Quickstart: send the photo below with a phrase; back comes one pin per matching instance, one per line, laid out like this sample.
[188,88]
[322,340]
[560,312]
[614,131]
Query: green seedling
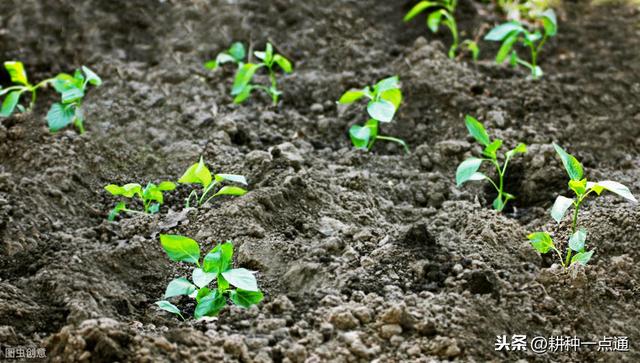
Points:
[384,100]
[212,187]
[72,90]
[468,169]
[441,12]
[215,266]
[513,32]
[581,187]
[151,197]
[21,85]
[242,86]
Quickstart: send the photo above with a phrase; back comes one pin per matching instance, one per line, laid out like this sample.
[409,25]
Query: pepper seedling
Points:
[384,100]
[242,86]
[72,90]
[513,32]
[441,12]
[215,266]
[468,169]
[198,173]
[151,197]
[581,187]
[21,85]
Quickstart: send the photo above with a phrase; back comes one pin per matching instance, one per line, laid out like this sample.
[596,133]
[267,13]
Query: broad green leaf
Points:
[231,178]
[541,241]
[154,208]
[197,173]
[116,210]
[393,95]
[613,187]
[201,278]
[571,164]
[520,149]
[577,240]
[387,84]
[360,136]
[17,72]
[91,76]
[223,285]
[283,63]
[491,149]
[467,169]
[210,305]
[381,110]
[560,207]
[179,286]
[351,96]
[582,258]
[578,186]
[72,95]
[130,189]
[268,53]
[433,20]
[219,259]
[245,298]
[237,51]
[241,278]
[230,190]
[477,130]
[59,117]
[498,204]
[500,32]
[114,189]
[477,176]
[549,22]
[63,82]
[474,49]
[531,38]
[203,292]
[167,306]
[243,94]
[151,192]
[166,186]
[180,248]
[9,103]
[243,77]
[505,48]
[418,8]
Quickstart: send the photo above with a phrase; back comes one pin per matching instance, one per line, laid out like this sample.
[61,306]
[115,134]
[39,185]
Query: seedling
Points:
[441,12]
[215,266]
[151,197]
[468,169]
[21,85]
[384,99]
[513,32]
[582,188]
[242,85]
[198,173]
[72,90]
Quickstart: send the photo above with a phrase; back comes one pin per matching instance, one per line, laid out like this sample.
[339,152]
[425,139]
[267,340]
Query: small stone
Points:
[389,330]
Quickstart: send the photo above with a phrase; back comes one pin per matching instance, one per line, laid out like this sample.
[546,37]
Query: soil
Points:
[362,256]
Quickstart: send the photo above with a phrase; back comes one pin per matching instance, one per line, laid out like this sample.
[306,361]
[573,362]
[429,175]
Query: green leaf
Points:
[180,248]
[9,103]
[91,76]
[433,20]
[197,173]
[59,117]
[577,240]
[381,110]
[467,170]
[418,8]
[243,77]
[283,63]
[219,259]
[201,278]
[491,149]
[116,210]
[243,95]
[17,72]
[498,204]
[241,278]
[203,292]
[500,32]
[179,286]
[167,306]
[473,48]
[351,96]
[549,22]
[151,192]
[63,82]
[541,241]
[230,190]
[393,95]
[613,187]
[387,84]
[245,298]
[560,207]
[477,130]
[231,178]
[360,136]
[237,51]
[571,164]
[72,95]
[520,149]
[578,186]
[166,186]
[223,285]
[582,257]
[210,305]
[127,190]
[505,48]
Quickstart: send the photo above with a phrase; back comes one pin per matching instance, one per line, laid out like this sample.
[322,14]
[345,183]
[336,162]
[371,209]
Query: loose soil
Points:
[362,256]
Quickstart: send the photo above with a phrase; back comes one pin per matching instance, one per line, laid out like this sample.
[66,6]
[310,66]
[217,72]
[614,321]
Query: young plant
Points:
[21,85]
[242,85]
[441,12]
[468,169]
[198,173]
[513,32]
[581,187]
[215,266]
[72,90]
[384,99]
[151,197]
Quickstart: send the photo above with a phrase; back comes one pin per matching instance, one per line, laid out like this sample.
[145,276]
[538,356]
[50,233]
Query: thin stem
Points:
[574,225]
[274,89]
[560,256]
[9,89]
[394,139]
[205,192]
[193,193]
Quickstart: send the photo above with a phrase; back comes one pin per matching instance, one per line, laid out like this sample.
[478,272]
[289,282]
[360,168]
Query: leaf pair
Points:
[543,243]
[216,265]
[18,76]
[236,54]
[151,193]
[72,91]
[198,173]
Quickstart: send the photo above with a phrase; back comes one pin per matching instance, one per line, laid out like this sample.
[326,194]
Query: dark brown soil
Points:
[362,256]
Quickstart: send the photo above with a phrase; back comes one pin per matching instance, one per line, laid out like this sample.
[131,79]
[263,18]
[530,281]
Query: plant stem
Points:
[393,139]
[574,225]
[274,89]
